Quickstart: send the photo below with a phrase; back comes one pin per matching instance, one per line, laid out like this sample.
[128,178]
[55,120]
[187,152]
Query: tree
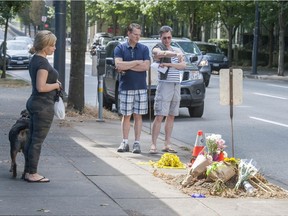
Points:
[269,17]
[7,10]
[78,48]
[25,18]
[37,10]
[283,9]
[232,14]
[196,14]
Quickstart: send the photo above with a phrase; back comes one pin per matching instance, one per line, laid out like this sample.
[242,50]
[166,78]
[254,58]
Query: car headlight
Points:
[195,75]
[203,62]
[225,59]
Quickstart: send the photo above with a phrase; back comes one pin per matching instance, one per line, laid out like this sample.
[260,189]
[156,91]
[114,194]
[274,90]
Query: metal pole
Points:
[255,40]
[100,99]
[231,105]
[60,32]
[149,100]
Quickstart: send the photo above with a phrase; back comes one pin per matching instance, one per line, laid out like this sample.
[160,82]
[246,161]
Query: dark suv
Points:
[216,57]
[192,84]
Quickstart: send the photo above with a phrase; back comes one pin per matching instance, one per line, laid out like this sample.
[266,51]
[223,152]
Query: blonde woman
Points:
[40,105]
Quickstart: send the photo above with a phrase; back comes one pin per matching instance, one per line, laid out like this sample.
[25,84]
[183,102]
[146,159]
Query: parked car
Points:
[18,55]
[99,44]
[192,84]
[216,57]
[191,49]
[28,40]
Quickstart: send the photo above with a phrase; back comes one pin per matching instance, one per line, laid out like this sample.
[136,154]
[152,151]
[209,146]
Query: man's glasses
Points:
[137,35]
[165,38]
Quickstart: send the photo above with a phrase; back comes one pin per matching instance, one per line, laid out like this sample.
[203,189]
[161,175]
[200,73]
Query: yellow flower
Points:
[232,160]
[169,160]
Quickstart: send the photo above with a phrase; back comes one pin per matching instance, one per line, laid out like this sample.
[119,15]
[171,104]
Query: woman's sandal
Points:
[169,150]
[153,150]
[41,180]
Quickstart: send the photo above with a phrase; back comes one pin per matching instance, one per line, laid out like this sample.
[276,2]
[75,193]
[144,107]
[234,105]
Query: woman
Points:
[40,105]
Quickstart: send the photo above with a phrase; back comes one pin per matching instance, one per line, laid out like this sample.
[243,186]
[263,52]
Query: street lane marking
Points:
[272,96]
[280,86]
[268,121]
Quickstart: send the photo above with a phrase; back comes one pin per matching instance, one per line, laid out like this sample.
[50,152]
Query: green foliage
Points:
[24,15]
[9,9]
[37,10]
[222,43]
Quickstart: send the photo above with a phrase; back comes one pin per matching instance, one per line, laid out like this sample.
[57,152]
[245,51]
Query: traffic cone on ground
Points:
[198,146]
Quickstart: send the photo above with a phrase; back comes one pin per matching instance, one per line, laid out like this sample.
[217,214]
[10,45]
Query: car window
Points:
[110,49]
[104,40]
[16,46]
[187,46]
[209,48]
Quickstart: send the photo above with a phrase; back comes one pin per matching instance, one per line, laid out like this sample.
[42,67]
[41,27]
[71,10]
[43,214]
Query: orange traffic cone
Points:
[198,146]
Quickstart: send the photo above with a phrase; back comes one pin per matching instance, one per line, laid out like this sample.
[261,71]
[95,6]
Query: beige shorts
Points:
[167,99]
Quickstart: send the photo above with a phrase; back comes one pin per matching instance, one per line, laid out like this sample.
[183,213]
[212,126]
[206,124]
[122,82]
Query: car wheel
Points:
[107,104]
[117,104]
[196,112]
[206,78]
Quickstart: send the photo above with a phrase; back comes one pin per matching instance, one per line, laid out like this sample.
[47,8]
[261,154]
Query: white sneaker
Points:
[124,147]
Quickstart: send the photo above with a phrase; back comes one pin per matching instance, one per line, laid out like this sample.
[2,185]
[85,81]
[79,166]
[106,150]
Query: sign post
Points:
[231,91]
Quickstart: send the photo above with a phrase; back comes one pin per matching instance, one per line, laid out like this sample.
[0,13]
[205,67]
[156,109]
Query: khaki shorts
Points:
[167,99]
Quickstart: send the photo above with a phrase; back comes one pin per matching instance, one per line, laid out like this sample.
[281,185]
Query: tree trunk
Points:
[191,23]
[271,49]
[230,36]
[78,48]
[3,75]
[281,41]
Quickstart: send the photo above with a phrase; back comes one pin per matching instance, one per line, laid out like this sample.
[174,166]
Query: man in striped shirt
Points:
[167,98]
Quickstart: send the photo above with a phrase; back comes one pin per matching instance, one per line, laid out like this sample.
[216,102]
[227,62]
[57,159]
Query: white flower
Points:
[214,143]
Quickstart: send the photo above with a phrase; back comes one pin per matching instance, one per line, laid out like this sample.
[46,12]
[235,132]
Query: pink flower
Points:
[221,144]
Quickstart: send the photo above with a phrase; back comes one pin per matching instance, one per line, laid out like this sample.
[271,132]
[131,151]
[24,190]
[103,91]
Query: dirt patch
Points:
[218,189]
[13,83]
[88,113]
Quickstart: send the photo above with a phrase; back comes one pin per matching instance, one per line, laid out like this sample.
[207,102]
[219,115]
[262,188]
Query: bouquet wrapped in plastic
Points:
[221,171]
[198,167]
[246,169]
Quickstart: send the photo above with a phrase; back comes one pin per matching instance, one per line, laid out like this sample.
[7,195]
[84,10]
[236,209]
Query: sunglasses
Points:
[165,38]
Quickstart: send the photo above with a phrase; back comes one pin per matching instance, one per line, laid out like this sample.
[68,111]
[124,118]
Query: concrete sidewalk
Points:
[88,176]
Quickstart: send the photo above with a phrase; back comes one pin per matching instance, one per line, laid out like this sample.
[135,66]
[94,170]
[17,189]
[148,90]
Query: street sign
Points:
[235,93]
[44,19]
[231,91]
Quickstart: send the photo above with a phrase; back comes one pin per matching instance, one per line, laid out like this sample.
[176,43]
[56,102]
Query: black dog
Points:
[18,137]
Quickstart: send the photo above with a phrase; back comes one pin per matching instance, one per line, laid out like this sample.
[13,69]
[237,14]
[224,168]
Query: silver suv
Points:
[192,84]
[192,50]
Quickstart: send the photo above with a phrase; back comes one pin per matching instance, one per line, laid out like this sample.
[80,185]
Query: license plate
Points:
[20,62]
[216,65]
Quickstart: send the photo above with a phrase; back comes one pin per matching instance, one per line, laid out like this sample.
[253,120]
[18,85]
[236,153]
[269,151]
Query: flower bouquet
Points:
[221,171]
[215,145]
[169,160]
[198,167]
[245,171]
